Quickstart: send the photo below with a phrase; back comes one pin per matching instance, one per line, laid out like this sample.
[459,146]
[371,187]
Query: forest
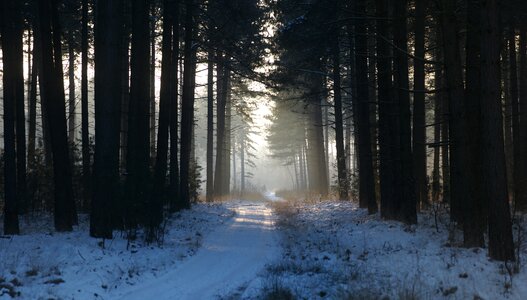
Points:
[319,139]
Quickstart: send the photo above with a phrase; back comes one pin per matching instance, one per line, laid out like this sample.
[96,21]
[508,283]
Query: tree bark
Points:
[85,131]
[363,131]
[515,114]
[138,150]
[473,215]
[342,173]
[107,117]
[156,207]
[387,124]
[55,114]
[187,107]
[210,126]
[456,110]
[419,129]
[501,246]
[406,210]
[173,127]
[13,86]
[71,96]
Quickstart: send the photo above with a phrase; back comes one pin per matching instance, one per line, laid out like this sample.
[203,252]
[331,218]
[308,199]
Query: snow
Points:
[249,249]
[335,250]
[229,258]
[35,263]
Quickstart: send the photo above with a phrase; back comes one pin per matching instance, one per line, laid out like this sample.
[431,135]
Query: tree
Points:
[55,114]
[494,182]
[158,195]
[137,180]
[419,129]
[406,210]
[366,179]
[85,135]
[174,162]
[13,84]
[187,106]
[107,117]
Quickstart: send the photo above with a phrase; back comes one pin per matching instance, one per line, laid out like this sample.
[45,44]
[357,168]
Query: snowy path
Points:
[230,257]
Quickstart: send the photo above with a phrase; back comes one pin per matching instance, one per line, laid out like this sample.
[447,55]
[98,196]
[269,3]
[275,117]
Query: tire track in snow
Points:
[230,257]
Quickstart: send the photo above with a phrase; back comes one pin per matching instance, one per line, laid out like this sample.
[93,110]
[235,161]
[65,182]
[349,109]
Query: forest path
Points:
[229,257]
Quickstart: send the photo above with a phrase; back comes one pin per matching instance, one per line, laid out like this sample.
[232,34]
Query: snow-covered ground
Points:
[333,250]
[43,264]
[245,250]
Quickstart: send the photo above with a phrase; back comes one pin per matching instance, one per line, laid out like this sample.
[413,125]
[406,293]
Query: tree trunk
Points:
[187,107]
[156,207]
[85,131]
[419,129]
[515,114]
[501,246]
[387,126]
[13,86]
[174,162]
[342,173]
[316,159]
[55,115]
[473,215]
[438,120]
[32,107]
[363,133]
[521,196]
[71,96]
[138,159]
[220,126]
[406,211]
[226,175]
[20,131]
[152,73]
[456,110]
[210,126]
[107,117]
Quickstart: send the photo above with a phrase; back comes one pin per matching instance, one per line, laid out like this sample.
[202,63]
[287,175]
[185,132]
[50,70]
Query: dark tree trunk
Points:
[174,162]
[521,196]
[125,83]
[210,127]
[342,173]
[471,205]
[108,32]
[153,19]
[316,159]
[242,162]
[501,246]
[438,119]
[160,171]
[220,126]
[226,175]
[407,205]
[20,131]
[515,114]
[387,125]
[13,86]
[85,131]
[363,132]
[32,107]
[187,107]
[456,110]
[55,114]
[419,129]
[138,159]
[71,96]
